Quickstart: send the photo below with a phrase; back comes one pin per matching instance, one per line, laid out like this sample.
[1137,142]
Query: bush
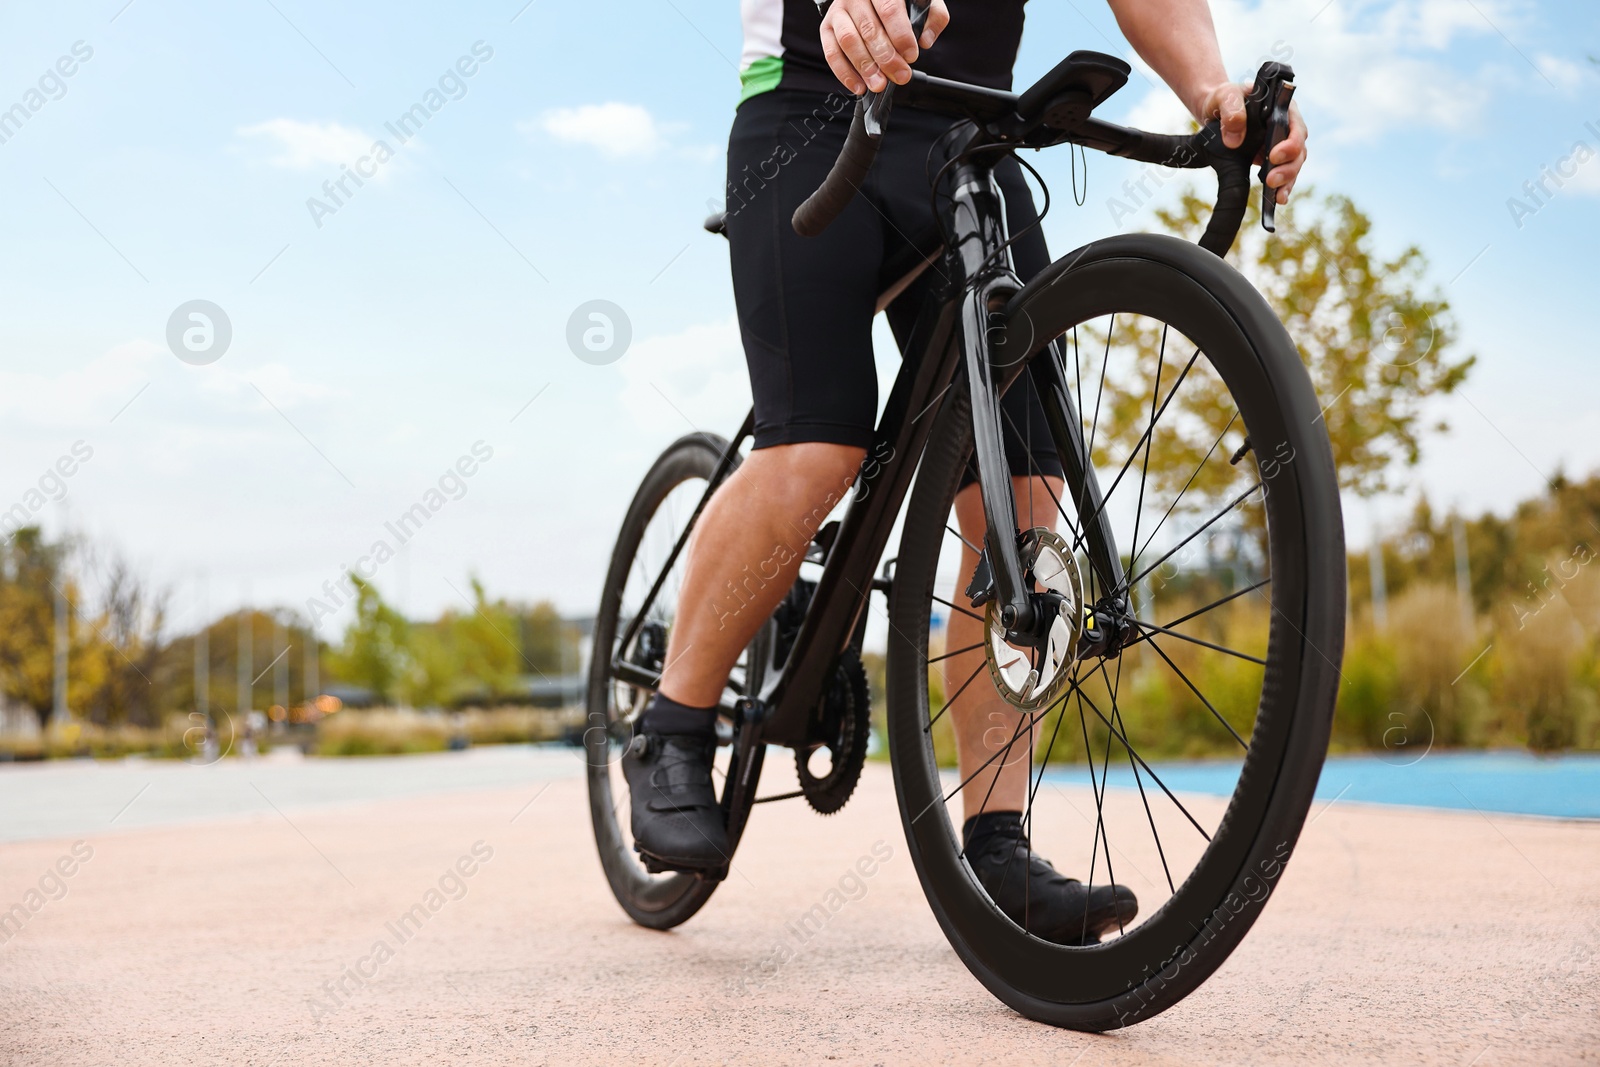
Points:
[382,732]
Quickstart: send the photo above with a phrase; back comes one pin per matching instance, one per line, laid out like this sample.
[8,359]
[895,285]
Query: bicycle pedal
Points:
[658,866]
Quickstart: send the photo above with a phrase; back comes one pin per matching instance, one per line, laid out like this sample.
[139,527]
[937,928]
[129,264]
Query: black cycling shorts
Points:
[806,303]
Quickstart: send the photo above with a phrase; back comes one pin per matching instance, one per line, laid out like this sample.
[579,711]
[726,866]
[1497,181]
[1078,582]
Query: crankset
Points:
[843,725]
[846,727]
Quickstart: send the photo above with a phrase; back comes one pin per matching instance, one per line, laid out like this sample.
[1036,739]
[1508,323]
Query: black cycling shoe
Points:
[1037,897]
[677,822]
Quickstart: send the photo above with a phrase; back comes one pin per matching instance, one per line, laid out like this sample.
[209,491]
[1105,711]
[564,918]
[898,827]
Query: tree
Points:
[27,621]
[175,672]
[549,644]
[32,575]
[1375,344]
[464,657]
[123,646]
[376,649]
[486,643]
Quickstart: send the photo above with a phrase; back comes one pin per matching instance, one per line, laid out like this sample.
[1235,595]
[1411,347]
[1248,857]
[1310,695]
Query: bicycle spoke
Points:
[1138,551]
[958,607]
[1105,364]
[957,652]
[1149,440]
[1138,781]
[1154,777]
[963,783]
[996,779]
[1139,444]
[1099,813]
[976,550]
[1179,671]
[1205,526]
[952,700]
[1116,715]
[1197,641]
[1038,779]
[1218,603]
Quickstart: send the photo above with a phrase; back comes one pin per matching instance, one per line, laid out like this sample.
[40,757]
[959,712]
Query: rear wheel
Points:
[661,510]
[1232,588]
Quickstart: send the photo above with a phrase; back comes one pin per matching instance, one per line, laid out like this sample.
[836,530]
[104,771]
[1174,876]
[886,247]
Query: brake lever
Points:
[875,115]
[1276,82]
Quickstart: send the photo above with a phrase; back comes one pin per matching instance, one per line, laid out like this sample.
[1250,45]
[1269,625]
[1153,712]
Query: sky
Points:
[404,339]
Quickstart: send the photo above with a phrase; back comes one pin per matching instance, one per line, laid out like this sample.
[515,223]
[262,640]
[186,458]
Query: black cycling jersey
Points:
[783,49]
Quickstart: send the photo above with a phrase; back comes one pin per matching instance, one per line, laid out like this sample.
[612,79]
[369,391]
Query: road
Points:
[243,926]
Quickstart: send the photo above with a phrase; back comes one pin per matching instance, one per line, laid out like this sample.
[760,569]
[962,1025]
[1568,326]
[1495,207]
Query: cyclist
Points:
[805,309]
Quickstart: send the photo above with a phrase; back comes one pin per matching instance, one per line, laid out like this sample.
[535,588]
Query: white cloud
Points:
[1364,67]
[691,379]
[1587,180]
[276,382]
[92,393]
[1563,73]
[311,145]
[616,129]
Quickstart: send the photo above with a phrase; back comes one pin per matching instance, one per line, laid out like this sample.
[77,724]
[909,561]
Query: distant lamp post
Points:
[202,655]
[1380,588]
[59,713]
[1463,570]
[242,662]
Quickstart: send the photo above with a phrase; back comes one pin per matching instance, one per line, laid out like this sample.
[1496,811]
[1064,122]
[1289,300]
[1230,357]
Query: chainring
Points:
[847,723]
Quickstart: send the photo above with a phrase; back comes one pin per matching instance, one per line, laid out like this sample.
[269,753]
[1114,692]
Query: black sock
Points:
[1008,823]
[666,716]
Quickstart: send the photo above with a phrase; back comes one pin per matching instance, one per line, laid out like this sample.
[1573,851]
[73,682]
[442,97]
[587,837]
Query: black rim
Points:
[665,504]
[1195,342]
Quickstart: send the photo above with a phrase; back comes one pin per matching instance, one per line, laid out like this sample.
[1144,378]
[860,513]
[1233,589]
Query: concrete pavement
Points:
[1396,936]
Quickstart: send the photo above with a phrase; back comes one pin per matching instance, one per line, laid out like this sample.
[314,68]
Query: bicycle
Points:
[1061,614]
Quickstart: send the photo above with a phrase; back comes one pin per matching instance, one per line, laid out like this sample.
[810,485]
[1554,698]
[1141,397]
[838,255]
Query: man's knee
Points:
[809,474]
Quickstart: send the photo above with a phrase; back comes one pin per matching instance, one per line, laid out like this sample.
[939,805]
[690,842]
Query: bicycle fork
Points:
[977,215]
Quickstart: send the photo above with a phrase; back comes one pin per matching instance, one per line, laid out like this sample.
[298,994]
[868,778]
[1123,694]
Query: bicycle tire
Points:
[1157,963]
[659,902]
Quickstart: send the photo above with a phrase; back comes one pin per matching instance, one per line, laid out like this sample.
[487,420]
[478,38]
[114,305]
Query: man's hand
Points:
[1226,102]
[866,41]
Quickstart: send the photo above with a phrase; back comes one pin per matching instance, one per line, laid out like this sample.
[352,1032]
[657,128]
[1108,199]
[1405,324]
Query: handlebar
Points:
[1267,124]
[860,150]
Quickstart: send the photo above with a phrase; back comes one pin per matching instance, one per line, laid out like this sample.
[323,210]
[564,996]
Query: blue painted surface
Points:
[1566,786]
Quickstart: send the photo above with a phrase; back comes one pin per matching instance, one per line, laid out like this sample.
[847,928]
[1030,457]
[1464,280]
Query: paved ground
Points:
[1396,936]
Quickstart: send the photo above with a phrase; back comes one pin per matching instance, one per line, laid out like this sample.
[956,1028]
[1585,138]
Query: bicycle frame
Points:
[951,336]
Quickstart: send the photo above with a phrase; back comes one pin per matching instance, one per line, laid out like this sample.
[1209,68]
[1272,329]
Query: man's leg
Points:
[983,722]
[994,837]
[742,558]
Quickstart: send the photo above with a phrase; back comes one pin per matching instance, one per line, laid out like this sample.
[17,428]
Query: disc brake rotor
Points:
[1028,677]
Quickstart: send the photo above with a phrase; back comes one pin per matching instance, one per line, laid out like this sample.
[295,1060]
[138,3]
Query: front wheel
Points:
[1216,552]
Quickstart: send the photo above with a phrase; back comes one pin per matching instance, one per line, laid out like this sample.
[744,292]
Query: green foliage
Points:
[464,656]
[269,634]
[111,648]
[28,584]
[1375,342]
[1524,559]
[376,650]
[549,645]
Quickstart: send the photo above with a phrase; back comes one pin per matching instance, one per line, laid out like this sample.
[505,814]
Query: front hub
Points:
[1031,669]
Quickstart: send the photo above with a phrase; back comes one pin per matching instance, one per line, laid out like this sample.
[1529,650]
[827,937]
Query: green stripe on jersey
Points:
[760,76]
